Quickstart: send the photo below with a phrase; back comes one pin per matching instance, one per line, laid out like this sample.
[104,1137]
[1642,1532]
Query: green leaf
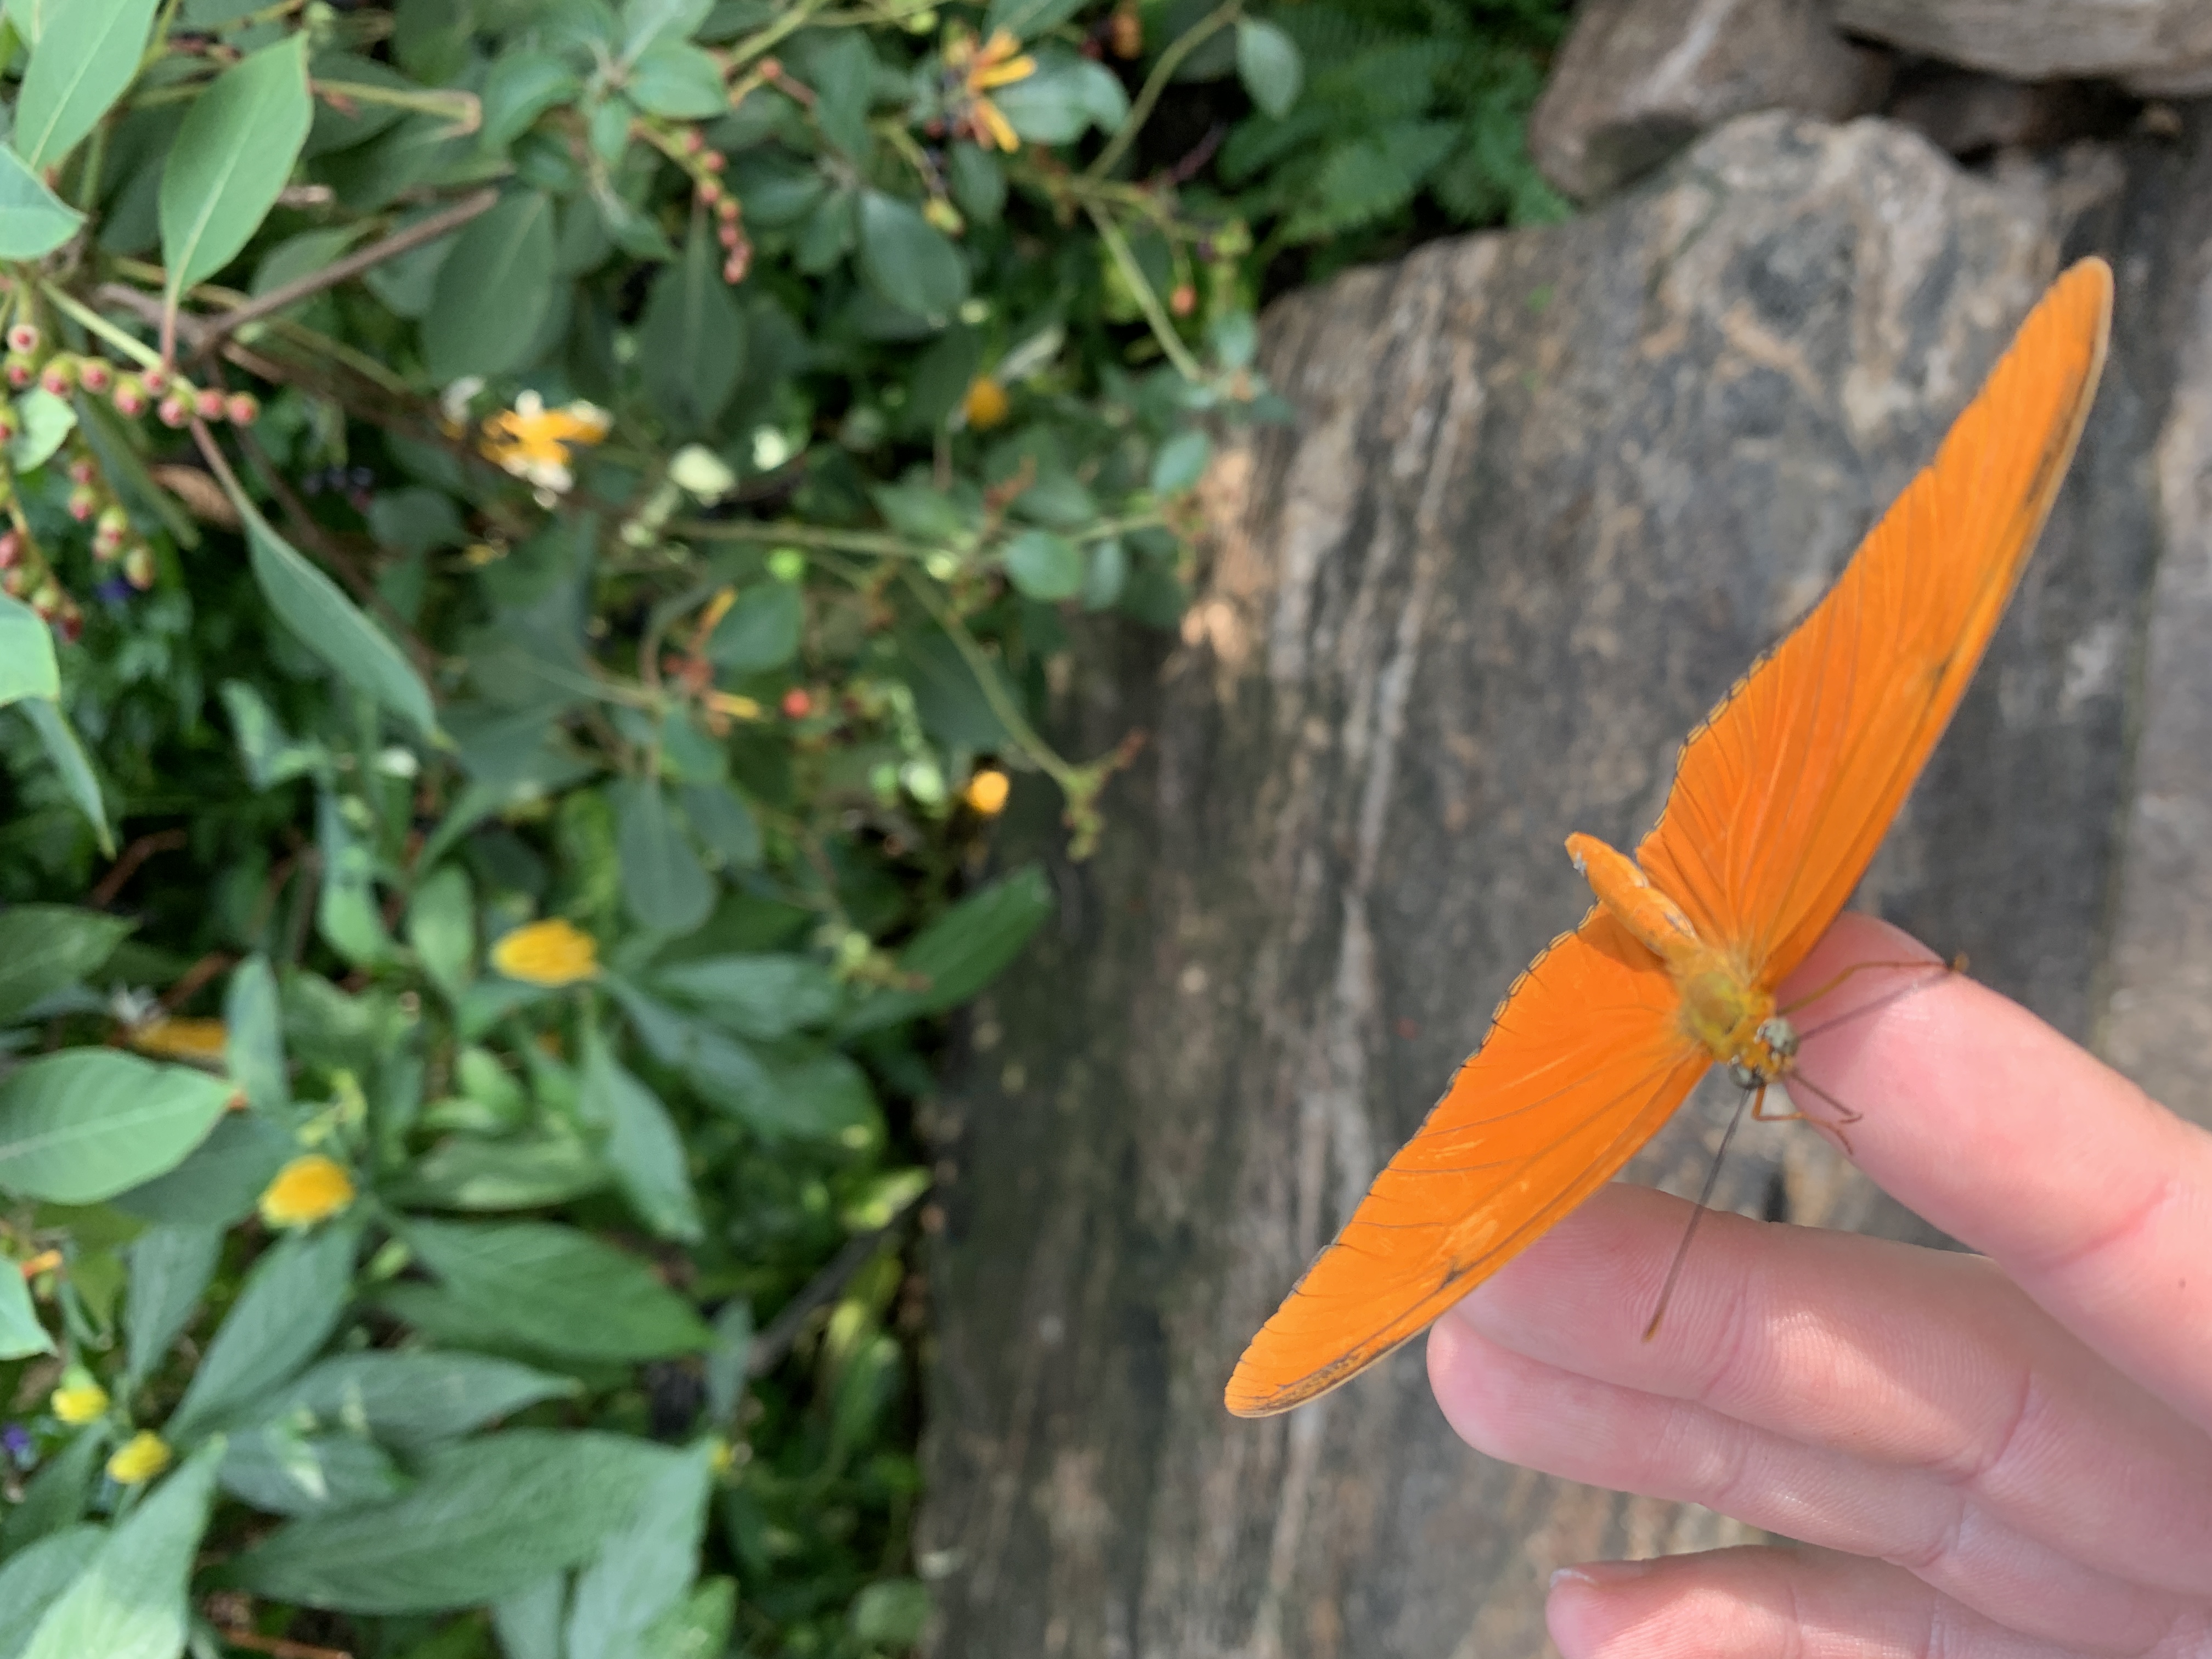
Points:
[34,221]
[130,1602]
[644,1148]
[277,1468]
[891,1613]
[492,291]
[646,22]
[28,668]
[524,1172]
[528,1621]
[842,70]
[170,1268]
[33,1578]
[87,54]
[521,87]
[347,912]
[69,759]
[762,629]
[1066,96]
[412,1400]
[231,159]
[483,1520]
[253,1039]
[663,884]
[643,1568]
[47,420]
[45,948]
[727,1361]
[697,1628]
[691,338]
[22,1334]
[1268,64]
[54,1497]
[82,1126]
[441,927]
[270,755]
[1045,566]
[963,951]
[219,1183]
[289,1306]
[1180,463]
[678,82]
[557,1289]
[760,996]
[1026,19]
[329,624]
[907,260]
[721,819]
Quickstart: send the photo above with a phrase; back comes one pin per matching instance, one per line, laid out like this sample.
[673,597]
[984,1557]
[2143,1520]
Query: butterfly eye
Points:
[1779,1036]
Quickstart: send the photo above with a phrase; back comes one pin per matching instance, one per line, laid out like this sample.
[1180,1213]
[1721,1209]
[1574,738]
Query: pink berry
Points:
[210,405]
[129,396]
[176,410]
[23,337]
[241,408]
[84,502]
[95,376]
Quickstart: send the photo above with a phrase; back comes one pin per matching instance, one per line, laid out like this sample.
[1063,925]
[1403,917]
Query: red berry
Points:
[59,374]
[11,551]
[176,410]
[20,373]
[129,396]
[210,405]
[23,337]
[82,470]
[84,502]
[797,704]
[96,374]
[71,624]
[713,161]
[709,190]
[242,408]
[156,379]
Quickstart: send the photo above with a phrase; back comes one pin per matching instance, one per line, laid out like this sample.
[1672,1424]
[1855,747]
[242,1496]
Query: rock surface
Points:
[2154,47]
[1546,494]
[1638,80]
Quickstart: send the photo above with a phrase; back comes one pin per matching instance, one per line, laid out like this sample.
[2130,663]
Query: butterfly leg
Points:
[1843,1114]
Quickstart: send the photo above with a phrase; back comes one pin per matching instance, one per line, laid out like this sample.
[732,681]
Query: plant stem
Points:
[1147,302]
[794,18]
[93,323]
[1156,83]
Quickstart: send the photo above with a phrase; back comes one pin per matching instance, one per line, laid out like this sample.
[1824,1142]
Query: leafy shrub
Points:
[536,533]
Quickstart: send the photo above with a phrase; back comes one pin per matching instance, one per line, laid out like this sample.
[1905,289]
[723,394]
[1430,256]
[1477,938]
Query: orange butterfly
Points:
[1779,800]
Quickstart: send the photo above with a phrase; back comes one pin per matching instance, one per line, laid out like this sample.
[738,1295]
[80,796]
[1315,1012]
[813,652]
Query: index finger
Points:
[2095,1200]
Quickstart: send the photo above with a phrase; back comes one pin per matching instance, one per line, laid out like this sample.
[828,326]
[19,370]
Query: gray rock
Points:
[2160,48]
[1638,80]
[1546,494]
[1970,113]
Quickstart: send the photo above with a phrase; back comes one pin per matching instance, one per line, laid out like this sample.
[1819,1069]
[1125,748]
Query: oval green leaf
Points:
[80,1127]
[231,158]
[1045,566]
[87,54]
[492,290]
[28,668]
[907,260]
[34,221]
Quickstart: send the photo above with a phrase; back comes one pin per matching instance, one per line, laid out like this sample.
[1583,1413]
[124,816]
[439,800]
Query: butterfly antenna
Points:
[1705,1198]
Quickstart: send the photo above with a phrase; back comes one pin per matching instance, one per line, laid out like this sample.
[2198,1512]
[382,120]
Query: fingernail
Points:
[1598,1574]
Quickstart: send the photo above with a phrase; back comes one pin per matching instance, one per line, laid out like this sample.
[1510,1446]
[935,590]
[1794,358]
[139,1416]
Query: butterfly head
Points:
[1771,1053]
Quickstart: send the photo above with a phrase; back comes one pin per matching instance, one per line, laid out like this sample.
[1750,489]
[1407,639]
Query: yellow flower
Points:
[998,61]
[533,441]
[986,403]
[79,1401]
[310,1189]
[554,952]
[138,1459]
[200,1040]
[987,792]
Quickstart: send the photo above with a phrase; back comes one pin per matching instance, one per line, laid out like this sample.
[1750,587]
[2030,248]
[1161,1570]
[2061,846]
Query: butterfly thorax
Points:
[1723,1009]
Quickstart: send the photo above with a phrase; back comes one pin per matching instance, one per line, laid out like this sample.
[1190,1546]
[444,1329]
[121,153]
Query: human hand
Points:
[1997,1456]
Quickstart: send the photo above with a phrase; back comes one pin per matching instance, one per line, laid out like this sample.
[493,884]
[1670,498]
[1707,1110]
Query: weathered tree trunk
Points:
[1545,496]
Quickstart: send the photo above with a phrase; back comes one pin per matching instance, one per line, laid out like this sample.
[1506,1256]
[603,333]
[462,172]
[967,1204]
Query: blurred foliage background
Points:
[537,535]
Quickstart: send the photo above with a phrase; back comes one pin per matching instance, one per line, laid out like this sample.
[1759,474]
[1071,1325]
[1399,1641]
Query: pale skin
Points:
[2006,1455]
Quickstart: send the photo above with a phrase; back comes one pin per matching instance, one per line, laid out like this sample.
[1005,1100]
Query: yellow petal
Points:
[994,129]
[181,1039]
[310,1189]
[79,1403]
[138,1459]
[551,953]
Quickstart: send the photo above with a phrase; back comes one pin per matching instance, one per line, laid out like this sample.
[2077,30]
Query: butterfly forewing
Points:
[1584,1062]
[1782,796]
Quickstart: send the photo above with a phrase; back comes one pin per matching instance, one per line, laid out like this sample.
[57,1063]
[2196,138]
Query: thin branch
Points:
[345,270]
[162,840]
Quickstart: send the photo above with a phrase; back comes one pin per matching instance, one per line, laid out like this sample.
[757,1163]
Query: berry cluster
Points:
[687,148]
[174,401]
